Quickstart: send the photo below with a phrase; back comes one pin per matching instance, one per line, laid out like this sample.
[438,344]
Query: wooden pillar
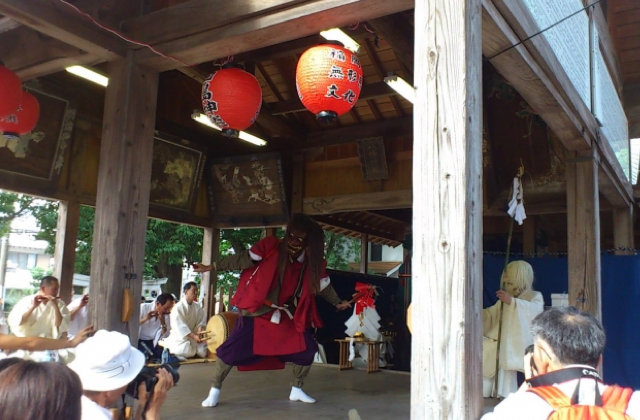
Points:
[209,282]
[297,190]
[623,230]
[364,253]
[446,355]
[65,251]
[583,242]
[269,232]
[122,202]
[529,236]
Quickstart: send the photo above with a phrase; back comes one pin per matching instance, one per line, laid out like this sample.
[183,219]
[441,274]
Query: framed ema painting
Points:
[247,190]
[40,154]
[176,172]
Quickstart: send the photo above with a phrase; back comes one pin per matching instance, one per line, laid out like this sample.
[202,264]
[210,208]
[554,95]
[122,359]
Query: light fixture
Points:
[402,87]
[89,75]
[243,135]
[336,34]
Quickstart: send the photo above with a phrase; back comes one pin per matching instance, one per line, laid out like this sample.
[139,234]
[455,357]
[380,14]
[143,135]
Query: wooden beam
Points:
[122,203]
[583,226]
[65,250]
[623,236]
[396,235]
[195,16]
[300,20]
[209,283]
[371,91]
[518,16]
[395,29]
[358,202]
[632,108]
[519,68]
[61,22]
[608,47]
[446,345]
[391,128]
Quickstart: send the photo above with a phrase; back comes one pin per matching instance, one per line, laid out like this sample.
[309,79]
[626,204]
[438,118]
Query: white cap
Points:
[107,361]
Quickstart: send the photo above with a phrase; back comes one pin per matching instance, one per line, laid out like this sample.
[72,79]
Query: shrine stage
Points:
[265,395]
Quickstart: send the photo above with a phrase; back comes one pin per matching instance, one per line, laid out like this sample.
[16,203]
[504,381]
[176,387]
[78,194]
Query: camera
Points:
[148,376]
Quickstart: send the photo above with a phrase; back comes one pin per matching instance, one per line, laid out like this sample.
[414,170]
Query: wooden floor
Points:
[265,395]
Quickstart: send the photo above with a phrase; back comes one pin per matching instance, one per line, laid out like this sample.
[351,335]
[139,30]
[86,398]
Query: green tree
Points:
[234,241]
[340,250]
[47,217]
[11,206]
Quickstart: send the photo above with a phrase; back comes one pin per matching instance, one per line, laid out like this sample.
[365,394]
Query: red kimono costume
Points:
[256,335]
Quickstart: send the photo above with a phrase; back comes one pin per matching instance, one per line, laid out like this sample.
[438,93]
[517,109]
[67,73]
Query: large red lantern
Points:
[329,80]
[10,91]
[231,98]
[23,120]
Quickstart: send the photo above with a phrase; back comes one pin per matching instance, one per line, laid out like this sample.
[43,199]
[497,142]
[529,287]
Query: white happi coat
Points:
[516,336]
[81,320]
[42,322]
[185,319]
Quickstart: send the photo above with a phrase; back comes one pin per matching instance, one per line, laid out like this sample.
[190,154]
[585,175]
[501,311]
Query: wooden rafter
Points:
[259,31]
[395,29]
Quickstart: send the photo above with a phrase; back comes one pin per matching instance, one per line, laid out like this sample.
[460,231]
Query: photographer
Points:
[107,364]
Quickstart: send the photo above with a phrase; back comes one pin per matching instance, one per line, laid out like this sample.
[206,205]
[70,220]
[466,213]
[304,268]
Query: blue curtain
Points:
[620,305]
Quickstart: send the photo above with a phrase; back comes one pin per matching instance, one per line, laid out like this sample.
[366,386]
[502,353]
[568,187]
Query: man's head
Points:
[190,290]
[304,234]
[49,286]
[296,234]
[518,278]
[106,363]
[566,336]
[164,303]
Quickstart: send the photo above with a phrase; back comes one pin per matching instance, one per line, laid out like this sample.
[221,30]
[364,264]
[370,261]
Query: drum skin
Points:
[219,327]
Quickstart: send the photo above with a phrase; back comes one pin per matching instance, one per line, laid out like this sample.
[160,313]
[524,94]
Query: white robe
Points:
[516,336]
[92,411]
[4,325]
[81,320]
[185,319]
[42,322]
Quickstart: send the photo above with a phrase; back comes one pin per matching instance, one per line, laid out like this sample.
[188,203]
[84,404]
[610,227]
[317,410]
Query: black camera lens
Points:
[148,376]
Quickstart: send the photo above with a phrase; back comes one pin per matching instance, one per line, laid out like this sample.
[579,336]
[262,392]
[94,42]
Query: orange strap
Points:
[552,395]
[616,397]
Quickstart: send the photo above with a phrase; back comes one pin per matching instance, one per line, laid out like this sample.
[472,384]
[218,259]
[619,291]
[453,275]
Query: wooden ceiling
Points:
[624,21]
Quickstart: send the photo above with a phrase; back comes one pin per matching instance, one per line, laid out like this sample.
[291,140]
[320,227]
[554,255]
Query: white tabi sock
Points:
[212,399]
[297,394]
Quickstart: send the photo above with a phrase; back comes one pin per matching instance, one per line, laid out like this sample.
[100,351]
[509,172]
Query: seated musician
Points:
[154,324]
[188,321]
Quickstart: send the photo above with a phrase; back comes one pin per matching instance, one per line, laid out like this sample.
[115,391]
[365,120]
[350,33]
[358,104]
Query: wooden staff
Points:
[506,263]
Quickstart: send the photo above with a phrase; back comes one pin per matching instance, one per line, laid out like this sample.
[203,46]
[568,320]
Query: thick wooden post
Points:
[65,251]
[209,282]
[623,230]
[122,202]
[364,253]
[529,236]
[583,221]
[446,356]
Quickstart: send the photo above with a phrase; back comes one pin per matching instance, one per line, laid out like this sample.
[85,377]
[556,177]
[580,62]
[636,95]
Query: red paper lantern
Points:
[10,91]
[329,80]
[231,98]
[23,120]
